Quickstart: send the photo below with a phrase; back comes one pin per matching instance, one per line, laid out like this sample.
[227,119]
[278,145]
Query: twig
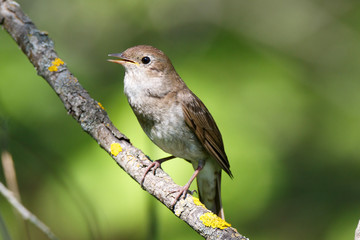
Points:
[10,174]
[26,214]
[39,49]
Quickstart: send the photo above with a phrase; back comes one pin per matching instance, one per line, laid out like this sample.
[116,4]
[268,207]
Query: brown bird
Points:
[175,119]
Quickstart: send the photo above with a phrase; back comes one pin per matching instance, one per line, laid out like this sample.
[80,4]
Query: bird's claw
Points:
[192,192]
[154,165]
[182,194]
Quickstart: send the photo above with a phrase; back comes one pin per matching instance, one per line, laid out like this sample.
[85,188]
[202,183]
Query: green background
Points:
[281,79]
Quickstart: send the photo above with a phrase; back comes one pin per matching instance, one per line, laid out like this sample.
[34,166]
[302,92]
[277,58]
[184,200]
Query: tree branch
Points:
[26,214]
[39,49]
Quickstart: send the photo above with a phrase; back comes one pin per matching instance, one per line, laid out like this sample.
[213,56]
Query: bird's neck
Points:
[140,87]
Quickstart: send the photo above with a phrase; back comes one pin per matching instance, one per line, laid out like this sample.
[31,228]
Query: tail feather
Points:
[209,188]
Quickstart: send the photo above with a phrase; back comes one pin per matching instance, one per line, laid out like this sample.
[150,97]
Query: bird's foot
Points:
[154,165]
[182,193]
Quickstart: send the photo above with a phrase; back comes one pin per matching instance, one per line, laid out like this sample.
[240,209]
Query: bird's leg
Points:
[154,165]
[185,188]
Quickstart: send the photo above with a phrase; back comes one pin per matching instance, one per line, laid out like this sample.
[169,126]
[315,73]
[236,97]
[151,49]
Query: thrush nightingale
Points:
[175,119]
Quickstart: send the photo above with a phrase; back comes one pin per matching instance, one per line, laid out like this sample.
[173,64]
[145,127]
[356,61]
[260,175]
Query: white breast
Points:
[163,123]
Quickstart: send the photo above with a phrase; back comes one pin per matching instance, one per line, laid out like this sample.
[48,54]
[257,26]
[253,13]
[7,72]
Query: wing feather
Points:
[199,119]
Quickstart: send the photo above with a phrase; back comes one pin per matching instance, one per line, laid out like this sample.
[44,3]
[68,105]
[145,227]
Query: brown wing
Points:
[199,119]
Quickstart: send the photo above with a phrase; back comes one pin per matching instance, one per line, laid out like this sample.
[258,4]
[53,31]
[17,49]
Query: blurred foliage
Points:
[281,78]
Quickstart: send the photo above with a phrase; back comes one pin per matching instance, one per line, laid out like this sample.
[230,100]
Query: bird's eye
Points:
[145,60]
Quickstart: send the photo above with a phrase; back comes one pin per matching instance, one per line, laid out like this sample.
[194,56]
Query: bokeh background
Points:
[280,77]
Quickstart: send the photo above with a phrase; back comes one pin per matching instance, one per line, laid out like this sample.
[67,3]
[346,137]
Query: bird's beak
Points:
[121,59]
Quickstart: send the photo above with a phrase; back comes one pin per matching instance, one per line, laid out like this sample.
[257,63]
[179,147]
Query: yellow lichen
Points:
[101,106]
[53,68]
[115,149]
[55,64]
[197,202]
[212,220]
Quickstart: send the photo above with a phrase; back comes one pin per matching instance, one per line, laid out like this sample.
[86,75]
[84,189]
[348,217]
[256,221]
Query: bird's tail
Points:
[209,188]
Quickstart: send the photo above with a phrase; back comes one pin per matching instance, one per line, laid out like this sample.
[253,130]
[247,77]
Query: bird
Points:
[176,120]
